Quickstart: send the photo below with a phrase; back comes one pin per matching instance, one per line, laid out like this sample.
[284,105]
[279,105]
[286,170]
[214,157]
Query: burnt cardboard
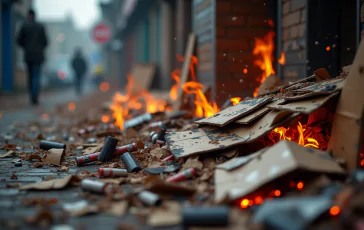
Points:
[321,88]
[322,74]
[307,79]
[347,128]
[207,139]
[185,71]
[238,161]
[306,106]
[143,75]
[280,159]
[270,84]
[232,113]
[253,116]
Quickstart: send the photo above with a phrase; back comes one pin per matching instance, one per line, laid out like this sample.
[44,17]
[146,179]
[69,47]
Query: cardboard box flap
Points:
[253,116]
[278,160]
[232,113]
[310,78]
[238,161]
[143,75]
[347,128]
[325,87]
[269,85]
[207,139]
[306,106]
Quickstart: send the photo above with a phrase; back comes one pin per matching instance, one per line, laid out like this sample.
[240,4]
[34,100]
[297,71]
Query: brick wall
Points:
[203,27]
[238,23]
[293,39]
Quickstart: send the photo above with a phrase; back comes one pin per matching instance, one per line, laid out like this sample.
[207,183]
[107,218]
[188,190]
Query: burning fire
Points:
[123,104]
[303,138]
[264,48]
[175,75]
[203,106]
[235,100]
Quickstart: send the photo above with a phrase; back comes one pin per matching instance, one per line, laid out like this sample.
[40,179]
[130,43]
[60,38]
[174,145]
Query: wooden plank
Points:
[185,70]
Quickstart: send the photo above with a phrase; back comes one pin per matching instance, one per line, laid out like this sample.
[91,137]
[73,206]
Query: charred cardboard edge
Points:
[280,159]
[306,106]
[253,116]
[347,129]
[232,113]
[195,135]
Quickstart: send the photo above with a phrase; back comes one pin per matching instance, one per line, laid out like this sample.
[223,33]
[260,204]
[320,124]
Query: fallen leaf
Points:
[202,187]
[192,162]
[154,163]
[40,136]
[9,147]
[13,176]
[38,164]
[51,184]
[63,169]
[166,215]
[44,218]
[130,133]
[160,153]
[231,153]
[34,156]
[39,201]
[12,185]
[7,154]
[118,208]
[209,162]
[91,150]
[54,157]
[156,185]
[15,160]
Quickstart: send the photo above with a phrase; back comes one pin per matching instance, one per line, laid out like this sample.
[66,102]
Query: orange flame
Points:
[282,60]
[173,93]
[235,100]
[303,139]
[71,106]
[264,48]
[203,106]
[122,104]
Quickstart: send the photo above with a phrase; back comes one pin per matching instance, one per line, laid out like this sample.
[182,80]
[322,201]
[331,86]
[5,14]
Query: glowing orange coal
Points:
[303,138]
[264,48]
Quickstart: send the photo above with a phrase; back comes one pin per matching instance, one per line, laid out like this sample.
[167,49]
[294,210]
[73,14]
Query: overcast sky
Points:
[84,12]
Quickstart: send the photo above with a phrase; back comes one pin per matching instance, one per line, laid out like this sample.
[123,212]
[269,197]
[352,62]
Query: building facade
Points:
[312,34]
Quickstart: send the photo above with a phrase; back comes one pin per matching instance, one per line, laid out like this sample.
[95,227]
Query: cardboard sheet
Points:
[307,79]
[143,75]
[270,84]
[321,88]
[185,71]
[54,157]
[232,113]
[51,184]
[306,106]
[253,116]
[322,74]
[347,129]
[207,139]
[280,159]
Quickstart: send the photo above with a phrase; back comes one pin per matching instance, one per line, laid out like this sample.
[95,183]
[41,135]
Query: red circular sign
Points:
[101,33]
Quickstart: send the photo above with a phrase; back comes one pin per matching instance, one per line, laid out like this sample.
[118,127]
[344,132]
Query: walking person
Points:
[79,66]
[32,38]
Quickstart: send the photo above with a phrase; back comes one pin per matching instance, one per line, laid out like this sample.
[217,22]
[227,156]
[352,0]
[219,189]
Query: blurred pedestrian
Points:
[79,66]
[33,39]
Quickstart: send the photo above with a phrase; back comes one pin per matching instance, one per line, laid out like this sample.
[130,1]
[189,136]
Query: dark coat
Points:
[79,65]
[33,39]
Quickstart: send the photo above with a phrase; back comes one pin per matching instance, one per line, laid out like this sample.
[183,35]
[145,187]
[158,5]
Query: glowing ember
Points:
[245,70]
[303,139]
[282,60]
[105,119]
[104,86]
[71,107]
[264,48]
[44,116]
[203,106]
[335,210]
[235,100]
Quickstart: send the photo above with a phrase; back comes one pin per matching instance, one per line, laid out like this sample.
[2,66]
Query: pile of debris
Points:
[235,169]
